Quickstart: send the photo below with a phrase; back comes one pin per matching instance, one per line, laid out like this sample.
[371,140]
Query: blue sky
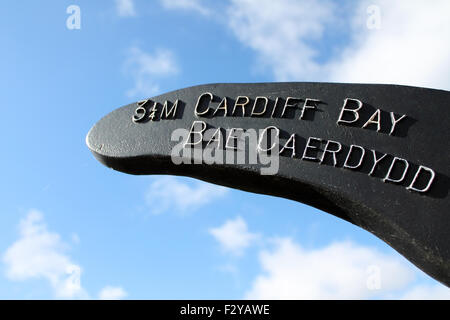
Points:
[72,228]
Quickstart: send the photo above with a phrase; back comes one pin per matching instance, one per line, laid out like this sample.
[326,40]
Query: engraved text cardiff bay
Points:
[319,149]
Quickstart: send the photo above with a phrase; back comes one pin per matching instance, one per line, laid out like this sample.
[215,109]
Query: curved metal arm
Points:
[374,155]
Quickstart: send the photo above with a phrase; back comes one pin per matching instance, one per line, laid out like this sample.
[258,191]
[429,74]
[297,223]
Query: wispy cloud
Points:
[39,253]
[146,68]
[170,193]
[407,49]
[193,5]
[112,293]
[234,236]
[125,8]
[341,270]
[281,33]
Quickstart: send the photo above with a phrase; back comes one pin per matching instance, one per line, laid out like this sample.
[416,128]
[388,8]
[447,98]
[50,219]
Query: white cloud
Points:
[170,193]
[112,293]
[195,5]
[234,236]
[279,32]
[125,8]
[146,68]
[341,270]
[39,253]
[410,48]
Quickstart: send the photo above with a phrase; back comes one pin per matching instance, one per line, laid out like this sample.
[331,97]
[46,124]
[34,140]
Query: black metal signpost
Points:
[374,155]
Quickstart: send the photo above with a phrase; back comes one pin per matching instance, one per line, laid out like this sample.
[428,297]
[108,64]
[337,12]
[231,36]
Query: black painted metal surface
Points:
[331,165]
